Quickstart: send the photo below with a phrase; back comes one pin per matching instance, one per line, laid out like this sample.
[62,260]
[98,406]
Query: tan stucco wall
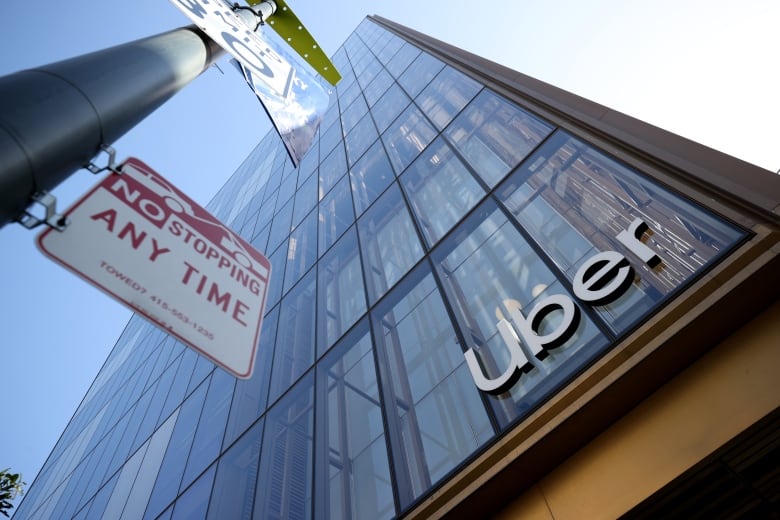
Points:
[726,391]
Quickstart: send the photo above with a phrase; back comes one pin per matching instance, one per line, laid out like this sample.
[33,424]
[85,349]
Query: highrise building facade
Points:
[488,297]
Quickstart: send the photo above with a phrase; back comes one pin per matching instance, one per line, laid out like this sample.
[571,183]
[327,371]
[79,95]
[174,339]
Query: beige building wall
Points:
[729,389]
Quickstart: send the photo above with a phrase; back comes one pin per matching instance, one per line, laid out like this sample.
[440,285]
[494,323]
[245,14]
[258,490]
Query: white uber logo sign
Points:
[602,279]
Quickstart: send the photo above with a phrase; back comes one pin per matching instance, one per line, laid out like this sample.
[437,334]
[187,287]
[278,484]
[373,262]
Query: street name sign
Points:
[148,245]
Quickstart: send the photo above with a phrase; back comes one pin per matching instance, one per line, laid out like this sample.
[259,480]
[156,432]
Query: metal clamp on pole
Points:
[94,168]
[51,219]
[262,11]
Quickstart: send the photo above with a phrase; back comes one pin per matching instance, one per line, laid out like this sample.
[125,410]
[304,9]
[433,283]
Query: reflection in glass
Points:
[574,200]
[234,485]
[301,250]
[336,214]
[494,135]
[407,137]
[194,501]
[440,189]
[352,463]
[284,488]
[249,396]
[370,176]
[446,95]
[489,271]
[436,409]
[389,242]
[419,73]
[295,336]
[360,138]
[389,106]
[341,296]
[333,167]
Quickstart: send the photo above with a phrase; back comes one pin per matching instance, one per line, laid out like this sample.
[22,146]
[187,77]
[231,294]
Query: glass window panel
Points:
[301,250]
[494,135]
[370,176]
[234,485]
[369,73]
[402,59]
[330,138]
[389,242]
[574,200]
[438,418]
[407,137]
[99,503]
[305,199]
[180,381]
[390,49]
[420,73]
[330,117]
[353,114]
[295,336]
[341,295]
[169,477]
[287,189]
[446,95]
[250,395]
[211,427]
[310,160]
[284,489]
[348,95]
[332,169]
[260,240]
[490,272]
[278,261]
[280,228]
[360,138]
[378,87]
[336,214]
[193,503]
[352,464]
[389,106]
[440,189]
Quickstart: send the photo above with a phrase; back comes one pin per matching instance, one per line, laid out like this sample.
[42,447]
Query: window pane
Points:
[193,503]
[336,214]
[407,137]
[378,87]
[330,137]
[420,73]
[305,199]
[437,415]
[490,273]
[447,94]
[211,427]
[360,138]
[387,109]
[352,465]
[278,261]
[341,295]
[167,486]
[284,482]
[280,228]
[574,200]
[402,59]
[494,135]
[301,250]
[250,395]
[333,167]
[440,189]
[234,486]
[389,242]
[295,336]
[370,176]
[353,113]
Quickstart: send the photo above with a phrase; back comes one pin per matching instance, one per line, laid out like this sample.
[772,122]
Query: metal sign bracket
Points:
[111,166]
[52,218]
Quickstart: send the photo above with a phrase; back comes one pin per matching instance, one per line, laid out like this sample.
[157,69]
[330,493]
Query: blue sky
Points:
[705,69]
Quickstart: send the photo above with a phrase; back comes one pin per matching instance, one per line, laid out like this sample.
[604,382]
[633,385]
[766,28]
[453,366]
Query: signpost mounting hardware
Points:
[52,218]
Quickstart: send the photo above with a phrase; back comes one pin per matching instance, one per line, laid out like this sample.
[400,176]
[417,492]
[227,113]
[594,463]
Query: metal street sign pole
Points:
[56,118]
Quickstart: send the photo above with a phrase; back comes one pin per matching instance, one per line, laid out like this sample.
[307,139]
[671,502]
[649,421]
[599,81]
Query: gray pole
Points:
[55,118]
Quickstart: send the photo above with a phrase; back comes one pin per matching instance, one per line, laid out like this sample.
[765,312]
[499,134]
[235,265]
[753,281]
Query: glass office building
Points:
[444,331]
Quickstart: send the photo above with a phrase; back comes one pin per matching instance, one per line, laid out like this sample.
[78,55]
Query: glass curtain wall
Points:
[429,212]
